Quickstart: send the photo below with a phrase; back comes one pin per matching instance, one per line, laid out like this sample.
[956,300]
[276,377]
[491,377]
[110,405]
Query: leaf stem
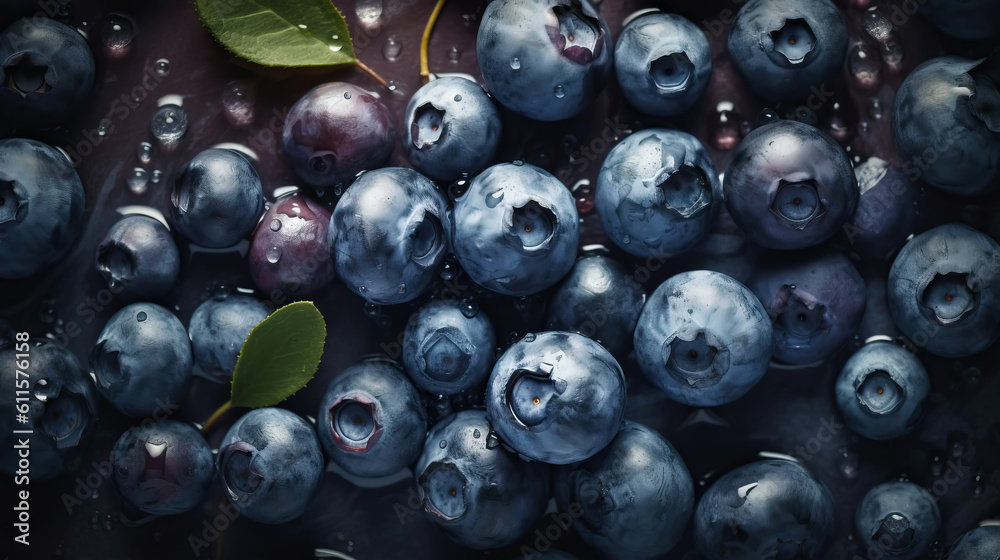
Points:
[425,72]
[215,416]
[378,78]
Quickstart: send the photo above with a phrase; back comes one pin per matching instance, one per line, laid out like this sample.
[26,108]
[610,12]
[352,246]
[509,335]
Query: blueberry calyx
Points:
[237,469]
[700,361]
[798,203]
[588,491]
[948,298]
[530,393]
[426,239]
[671,72]
[323,162]
[683,189]
[442,489]
[446,354]
[355,421]
[792,43]
[894,533]
[107,366]
[530,226]
[115,263]
[878,393]
[799,315]
[428,126]
[985,100]
[13,206]
[578,35]
[63,419]
[26,76]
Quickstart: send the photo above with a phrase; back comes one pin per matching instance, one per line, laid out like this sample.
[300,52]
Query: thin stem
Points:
[425,72]
[215,416]
[365,67]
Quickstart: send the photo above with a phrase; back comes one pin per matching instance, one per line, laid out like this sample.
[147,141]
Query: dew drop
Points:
[162,67]
[372,309]
[219,290]
[476,433]
[117,33]
[157,175]
[137,180]
[469,307]
[458,98]
[392,47]
[275,224]
[442,444]
[626,240]
[169,124]
[273,254]
[140,316]
[347,95]
[454,53]
[515,63]
[145,153]
[238,100]
[560,91]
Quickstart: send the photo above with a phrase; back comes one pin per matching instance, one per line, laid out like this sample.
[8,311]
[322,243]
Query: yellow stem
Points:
[425,71]
[378,78]
[215,416]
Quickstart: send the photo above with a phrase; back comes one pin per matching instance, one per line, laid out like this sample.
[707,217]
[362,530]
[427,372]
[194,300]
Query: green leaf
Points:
[289,33]
[280,356]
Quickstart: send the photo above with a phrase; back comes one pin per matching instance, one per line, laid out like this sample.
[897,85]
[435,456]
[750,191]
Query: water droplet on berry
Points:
[162,67]
[469,307]
[137,180]
[372,309]
[117,33]
[219,290]
[275,224]
[515,63]
[476,433]
[156,176]
[392,47]
[458,98]
[454,53]
[273,254]
[442,444]
[169,124]
[559,91]
[43,391]
[145,153]
[141,316]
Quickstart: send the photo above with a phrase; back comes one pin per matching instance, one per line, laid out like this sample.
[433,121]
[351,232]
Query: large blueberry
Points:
[815,304]
[452,129]
[657,193]
[768,509]
[599,299]
[516,229]
[886,213]
[897,520]
[703,338]
[981,543]
[445,351]
[544,59]
[218,329]
[782,48]
[61,408]
[663,63]
[41,207]
[480,494]
[882,390]
[271,464]
[218,198]
[389,235]
[946,123]
[789,185]
[46,72]
[964,19]
[138,258]
[556,397]
[162,468]
[636,496]
[142,360]
[371,422]
[944,290]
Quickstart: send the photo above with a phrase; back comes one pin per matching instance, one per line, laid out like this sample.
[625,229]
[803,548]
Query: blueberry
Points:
[897,520]
[882,390]
[790,186]
[766,509]
[162,468]
[964,19]
[782,48]
[335,131]
[814,302]
[389,235]
[886,213]
[516,229]
[663,64]
[138,258]
[636,495]
[289,254]
[946,124]
[480,494]
[218,198]
[142,360]
[600,300]
[444,351]
[556,397]
[218,329]
[46,72]
[657,193]
[371,420]
[703,338]
[944,290]
[41,207]
[61,407]
[452,129]
[271,465]
[544,59]
[981,543]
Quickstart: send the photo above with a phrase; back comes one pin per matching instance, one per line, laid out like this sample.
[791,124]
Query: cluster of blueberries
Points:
[553,398]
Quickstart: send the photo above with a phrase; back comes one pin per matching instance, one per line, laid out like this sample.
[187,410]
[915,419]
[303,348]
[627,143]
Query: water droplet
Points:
[117,33]
[275,224]
[157,175]
[169,124]
[392,47]
[530,337]
[449,269]
[372,309]
[864,67]
[626,240]
[137,180]
[273,254]
[457,189]
[238,100]
[559,91]
[102,130]
[347,95]
[458,98]
[476,433]
[454,53]
[492,440]
[442,444]
[515,63]
[469,307]
[145,153]
[494,198]
[219,290]
[336,47]
[140,316]
[518,162]
[368,11]
[338,190]
[392,85]
[162,67]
